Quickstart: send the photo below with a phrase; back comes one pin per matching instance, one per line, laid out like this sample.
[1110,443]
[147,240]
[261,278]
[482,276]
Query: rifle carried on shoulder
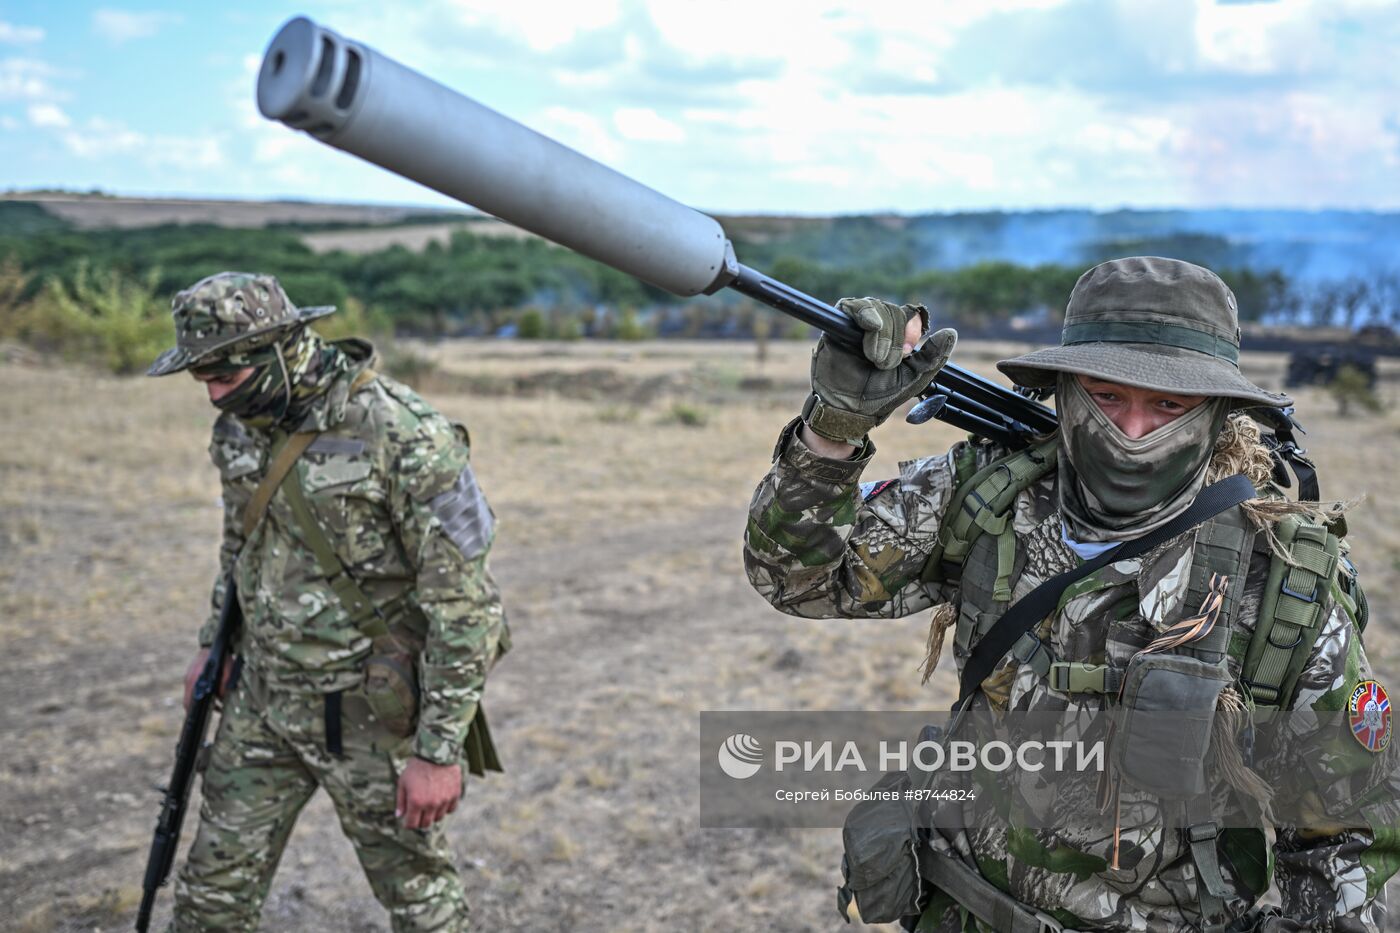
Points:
[176,793]
[353,98]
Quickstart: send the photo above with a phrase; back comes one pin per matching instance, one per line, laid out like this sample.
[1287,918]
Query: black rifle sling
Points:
[1041,601]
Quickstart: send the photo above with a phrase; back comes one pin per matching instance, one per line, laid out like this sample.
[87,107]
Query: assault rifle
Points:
[350,96]
[176,794]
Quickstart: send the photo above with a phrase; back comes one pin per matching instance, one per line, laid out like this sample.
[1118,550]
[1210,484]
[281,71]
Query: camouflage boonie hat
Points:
[227,313]
[1156,323]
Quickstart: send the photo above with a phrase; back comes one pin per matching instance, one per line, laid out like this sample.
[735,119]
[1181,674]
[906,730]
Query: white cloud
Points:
[542,24]
[100,138]
[824,105]
[27,79]
[48,115]
[643,124]
[118,26]
[10,34]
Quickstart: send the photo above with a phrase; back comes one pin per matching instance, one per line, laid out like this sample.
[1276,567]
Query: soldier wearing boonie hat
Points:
[1152,407]
[356,535]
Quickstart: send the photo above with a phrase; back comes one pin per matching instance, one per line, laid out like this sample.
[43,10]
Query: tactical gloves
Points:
[854,392]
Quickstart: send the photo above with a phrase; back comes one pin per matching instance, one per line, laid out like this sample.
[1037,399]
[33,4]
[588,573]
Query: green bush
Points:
[1350,386]
[530,325]
[687,415]
[100,317]
[628,327]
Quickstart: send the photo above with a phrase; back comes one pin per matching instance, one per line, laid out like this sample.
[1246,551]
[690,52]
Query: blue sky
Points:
[758,106]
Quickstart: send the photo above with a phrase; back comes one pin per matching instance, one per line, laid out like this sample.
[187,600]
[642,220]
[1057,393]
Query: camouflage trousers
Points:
[268,759]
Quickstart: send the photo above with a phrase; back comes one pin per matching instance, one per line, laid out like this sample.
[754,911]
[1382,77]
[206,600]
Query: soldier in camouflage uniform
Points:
[1148,392]
[388,485]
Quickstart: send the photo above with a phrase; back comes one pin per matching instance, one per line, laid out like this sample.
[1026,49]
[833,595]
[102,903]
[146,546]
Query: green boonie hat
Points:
[1156,323]
[228,313]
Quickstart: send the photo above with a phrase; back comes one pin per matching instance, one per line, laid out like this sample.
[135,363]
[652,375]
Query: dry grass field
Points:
[620,474]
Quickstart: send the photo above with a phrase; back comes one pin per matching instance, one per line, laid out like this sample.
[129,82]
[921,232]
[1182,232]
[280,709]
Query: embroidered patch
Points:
[869,491]
[465,516]
[1369,711]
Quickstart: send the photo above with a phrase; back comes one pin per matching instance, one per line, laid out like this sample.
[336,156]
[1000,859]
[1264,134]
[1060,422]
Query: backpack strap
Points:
[284,457]
[363,613]
[982,505]
[1296,597]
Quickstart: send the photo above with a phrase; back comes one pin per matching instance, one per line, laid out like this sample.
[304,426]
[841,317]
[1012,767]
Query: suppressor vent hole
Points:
[323,70]
[352,80]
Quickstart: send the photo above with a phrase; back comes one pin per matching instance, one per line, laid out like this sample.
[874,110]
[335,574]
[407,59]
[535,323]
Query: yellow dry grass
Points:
[619,555]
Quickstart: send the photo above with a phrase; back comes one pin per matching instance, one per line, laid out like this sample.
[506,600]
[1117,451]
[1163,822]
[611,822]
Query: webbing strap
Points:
[981,505]
[1201,837]
[335,743]
[1292,609]
[360,607]
[981,898]
[1041,601]
[362,379]
[284,457]
[287,452]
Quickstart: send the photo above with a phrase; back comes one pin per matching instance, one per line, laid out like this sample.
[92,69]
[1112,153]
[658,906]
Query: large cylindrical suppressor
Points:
[351,97]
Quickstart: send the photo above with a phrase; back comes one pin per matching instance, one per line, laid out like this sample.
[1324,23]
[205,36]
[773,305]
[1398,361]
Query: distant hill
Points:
[1309,246]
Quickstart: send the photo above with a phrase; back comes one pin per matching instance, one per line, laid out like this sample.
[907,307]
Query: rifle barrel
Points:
[356,99]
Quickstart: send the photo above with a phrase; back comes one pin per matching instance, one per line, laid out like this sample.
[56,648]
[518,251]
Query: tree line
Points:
[64,286]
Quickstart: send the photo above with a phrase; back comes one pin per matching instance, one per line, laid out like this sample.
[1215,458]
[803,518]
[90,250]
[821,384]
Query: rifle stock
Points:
[175,794]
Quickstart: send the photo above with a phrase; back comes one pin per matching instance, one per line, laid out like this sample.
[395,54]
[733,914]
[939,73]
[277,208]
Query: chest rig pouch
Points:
[1172,686]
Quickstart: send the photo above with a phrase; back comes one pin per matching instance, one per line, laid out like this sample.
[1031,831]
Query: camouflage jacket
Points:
[390,482]
[820,544]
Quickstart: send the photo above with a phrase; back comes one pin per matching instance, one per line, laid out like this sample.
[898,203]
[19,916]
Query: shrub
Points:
[100,317]
[1350,385]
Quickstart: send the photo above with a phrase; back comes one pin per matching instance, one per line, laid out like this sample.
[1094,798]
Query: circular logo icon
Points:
[740,756]
[1369,711]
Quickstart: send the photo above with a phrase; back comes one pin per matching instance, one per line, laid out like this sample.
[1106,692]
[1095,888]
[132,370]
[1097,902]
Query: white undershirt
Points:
[1087,550]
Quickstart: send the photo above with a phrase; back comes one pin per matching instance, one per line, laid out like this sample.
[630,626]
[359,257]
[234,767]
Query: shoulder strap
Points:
[360,607]
[362,379]
[981,505]
[284,457]
[288,451]
[1041,601]
[1293,607]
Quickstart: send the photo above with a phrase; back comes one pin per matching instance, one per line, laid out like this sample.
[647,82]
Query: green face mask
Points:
[1114,488]
[287,377]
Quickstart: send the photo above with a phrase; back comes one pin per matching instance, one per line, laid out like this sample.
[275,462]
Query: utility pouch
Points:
[1164,723]
[881,862]
[390,684]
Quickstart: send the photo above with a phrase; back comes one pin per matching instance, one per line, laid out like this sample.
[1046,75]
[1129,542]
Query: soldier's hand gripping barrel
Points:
[351,97]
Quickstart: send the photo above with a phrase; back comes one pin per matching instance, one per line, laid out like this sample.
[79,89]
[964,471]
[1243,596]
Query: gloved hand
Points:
[854,392]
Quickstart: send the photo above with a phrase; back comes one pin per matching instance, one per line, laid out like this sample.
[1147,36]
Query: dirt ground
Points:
[620,475]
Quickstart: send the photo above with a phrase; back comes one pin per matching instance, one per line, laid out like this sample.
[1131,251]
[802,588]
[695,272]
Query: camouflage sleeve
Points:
[819,545]
[228,450]
[446,528]
[1331,868]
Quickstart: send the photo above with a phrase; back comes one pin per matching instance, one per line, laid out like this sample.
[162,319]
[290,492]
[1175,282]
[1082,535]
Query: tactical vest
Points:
[977,550]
